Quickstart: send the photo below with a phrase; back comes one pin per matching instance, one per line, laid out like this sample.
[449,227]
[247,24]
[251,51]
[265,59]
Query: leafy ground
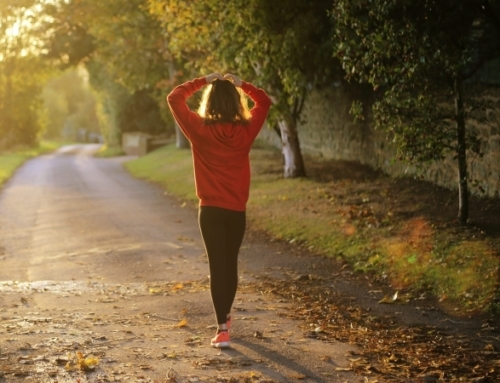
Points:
[115,343]
[387,350]
[402,232]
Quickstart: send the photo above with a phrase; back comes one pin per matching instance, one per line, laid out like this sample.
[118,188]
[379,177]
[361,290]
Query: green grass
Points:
[11,160]
[105,151]
[409,253]
[168,166]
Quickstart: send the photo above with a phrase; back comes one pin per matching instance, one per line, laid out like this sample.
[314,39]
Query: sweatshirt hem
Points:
[224,205]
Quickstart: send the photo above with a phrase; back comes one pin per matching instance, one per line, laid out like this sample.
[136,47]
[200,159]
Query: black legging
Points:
[222,231]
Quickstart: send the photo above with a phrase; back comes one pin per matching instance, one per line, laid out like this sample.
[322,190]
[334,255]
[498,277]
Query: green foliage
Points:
[21,82]
[418,56]
[283,49]
[414,54]
[127,40]
[67,39]
[22,75]
[70,104]
[121,110]
[111,97]
[140,114]
[122,47]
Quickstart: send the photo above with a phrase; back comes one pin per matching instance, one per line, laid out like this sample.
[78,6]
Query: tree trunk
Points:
[463,192]
[294,163]
[181,142]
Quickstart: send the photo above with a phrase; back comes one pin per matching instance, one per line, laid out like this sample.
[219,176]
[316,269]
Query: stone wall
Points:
[328,130]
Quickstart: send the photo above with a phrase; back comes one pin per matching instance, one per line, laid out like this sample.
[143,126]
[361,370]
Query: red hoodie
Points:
[220,151]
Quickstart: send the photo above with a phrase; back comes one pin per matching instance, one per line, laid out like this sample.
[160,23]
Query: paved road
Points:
[67,210]
[95,261]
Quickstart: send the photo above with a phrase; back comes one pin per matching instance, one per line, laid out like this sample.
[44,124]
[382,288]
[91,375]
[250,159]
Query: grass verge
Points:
[11,160]
[368,220]
[105,151]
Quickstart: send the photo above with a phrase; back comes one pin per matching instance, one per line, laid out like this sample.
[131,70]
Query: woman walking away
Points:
[221,134]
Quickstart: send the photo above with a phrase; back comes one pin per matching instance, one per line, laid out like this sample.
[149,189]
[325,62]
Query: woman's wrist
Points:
[213,76]
[234,79]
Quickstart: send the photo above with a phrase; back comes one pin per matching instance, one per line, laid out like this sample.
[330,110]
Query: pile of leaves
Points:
[169,288]
[387,349]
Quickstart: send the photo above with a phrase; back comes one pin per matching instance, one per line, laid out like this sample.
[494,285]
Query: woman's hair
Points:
[223,103]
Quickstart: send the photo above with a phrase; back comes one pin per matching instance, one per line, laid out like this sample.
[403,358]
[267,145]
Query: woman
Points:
[221,134]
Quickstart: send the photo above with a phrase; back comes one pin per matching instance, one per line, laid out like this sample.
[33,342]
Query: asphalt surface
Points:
[96,262]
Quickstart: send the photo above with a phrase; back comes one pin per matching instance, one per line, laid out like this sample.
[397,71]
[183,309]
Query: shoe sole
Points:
[221,345]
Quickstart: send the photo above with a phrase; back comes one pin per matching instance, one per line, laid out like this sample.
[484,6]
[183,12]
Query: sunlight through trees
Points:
[419,58]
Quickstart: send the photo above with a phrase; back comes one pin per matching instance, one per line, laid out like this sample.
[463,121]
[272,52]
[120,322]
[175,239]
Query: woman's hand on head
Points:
[233,78]
[213,76]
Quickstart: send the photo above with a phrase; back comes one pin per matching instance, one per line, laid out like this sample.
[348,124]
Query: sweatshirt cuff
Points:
[200,81]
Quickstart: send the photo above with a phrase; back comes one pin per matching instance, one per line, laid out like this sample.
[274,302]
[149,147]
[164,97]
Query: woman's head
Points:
[223,103]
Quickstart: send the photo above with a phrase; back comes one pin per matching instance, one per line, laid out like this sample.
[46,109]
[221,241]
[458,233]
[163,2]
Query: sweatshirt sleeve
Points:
[186,118]
[260,109]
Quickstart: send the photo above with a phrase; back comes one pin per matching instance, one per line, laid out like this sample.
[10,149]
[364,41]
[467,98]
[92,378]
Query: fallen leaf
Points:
[389,299]
[182,323]
[178,286]
[80,362]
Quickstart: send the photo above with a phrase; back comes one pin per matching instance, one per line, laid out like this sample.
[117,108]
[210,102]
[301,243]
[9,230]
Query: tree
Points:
[22,75]
[111,99]
[284,50]
[418,55]
[119,42]
[70,103]
[141,114]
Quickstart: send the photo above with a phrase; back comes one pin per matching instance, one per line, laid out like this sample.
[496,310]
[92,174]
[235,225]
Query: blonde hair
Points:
[224,103]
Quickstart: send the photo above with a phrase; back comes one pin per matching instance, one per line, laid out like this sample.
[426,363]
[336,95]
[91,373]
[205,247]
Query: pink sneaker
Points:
[221,340]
